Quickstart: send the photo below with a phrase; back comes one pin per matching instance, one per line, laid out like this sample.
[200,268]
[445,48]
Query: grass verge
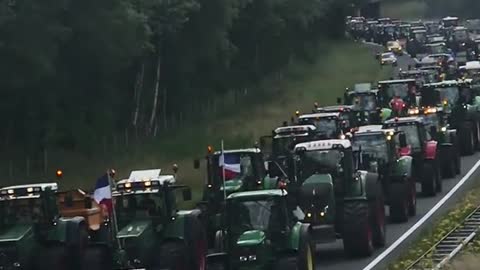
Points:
[441,228]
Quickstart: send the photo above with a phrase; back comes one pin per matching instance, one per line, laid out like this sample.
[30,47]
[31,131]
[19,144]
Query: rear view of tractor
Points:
[365,105]
[336,198]
[32,233]
[385,152]
[423,149]
[152,232]
[398,95]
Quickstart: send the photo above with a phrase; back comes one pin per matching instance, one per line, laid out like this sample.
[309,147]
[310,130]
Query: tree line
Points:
[465,8]
[75,70]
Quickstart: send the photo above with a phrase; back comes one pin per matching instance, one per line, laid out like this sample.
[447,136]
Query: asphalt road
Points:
[332,257]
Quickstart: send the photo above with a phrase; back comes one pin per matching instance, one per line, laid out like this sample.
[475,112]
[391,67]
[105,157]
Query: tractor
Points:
[365,105]
[227,172]
[420,76]
[461,105]
[151,232]
[399,95]
[423,149]
[436,121]
[448,24]
[385,152]
[332,195]
[328,125]
[262,232]
[416,42]
[33,235]
[346,112]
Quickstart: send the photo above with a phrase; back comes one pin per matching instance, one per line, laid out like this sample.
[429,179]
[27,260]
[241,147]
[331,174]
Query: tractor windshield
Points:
[436,49]
[364,102]
[449,94]
[411,132]
[134,206]
[372,144]
[21,211]
[252,215]
[400,90]
[282,146]
[325,161]
[235,166]
[325,125]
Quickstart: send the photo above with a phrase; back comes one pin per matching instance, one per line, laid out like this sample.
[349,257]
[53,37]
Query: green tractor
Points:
[327,125]
[152,233]
[242,170]
[423,149]
[398,95]
[262,232]
[32,233]
[365,104]
[385,152]
[461,104]
[335,197]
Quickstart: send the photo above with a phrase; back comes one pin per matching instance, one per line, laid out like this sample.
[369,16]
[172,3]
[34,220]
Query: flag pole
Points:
[223,174]
[111,183]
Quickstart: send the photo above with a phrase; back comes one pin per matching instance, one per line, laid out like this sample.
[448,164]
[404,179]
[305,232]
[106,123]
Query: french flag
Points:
[103,193]
[231,165]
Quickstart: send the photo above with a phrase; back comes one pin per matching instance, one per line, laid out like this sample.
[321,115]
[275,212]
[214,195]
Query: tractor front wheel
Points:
[306,250]
[412,198]
[357,230]
[468,140]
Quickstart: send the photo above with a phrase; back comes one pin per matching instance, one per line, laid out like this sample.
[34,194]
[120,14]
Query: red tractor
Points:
[423,149]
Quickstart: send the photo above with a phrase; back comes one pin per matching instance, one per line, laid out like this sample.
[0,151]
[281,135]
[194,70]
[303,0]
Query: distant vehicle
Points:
[388,58]
[395,47]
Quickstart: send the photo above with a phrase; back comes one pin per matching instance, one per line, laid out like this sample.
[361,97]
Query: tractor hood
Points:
[134,229]
[251,238]
[232,186]
[15,233]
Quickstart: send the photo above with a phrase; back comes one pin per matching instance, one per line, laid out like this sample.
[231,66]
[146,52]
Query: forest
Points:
[75,71]
[467,9]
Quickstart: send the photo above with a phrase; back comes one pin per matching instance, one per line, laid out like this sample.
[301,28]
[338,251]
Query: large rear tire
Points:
[399,204]
[306,250]
[97,258]
[412,195]
[429,180]
[357,230]
[468,140]
[171,256]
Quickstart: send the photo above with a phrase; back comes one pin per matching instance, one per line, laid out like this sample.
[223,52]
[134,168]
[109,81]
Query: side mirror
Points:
[403,140]
[187,194]
[196,164]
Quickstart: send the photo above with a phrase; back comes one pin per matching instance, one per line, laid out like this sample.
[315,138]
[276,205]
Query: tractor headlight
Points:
[252,257]
[443,129]
[16,265]
[243,258]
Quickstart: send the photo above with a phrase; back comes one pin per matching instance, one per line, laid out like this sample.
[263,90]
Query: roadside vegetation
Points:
[438,230]
[405,10]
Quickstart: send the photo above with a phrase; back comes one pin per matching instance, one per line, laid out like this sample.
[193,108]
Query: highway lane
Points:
[332,257]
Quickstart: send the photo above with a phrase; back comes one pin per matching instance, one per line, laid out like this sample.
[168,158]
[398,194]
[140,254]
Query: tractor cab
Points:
[448,23]
[327,125]
[284,139]
[234,170]
[404,31]
[436,48]
[471,70]
[420,76]
[398,95]
[446,94]
[345,112]
[416,133]
[365,104]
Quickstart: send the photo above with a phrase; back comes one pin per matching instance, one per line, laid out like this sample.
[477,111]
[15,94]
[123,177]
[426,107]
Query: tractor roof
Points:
[257,194]
[449,18]
[362,87]
[295,129]
[397,81]
[323,145]
[402,120]
[144,181]
[442,84]
[233,151]
[335,108]
[471,65]
[460,28]
[319,115]
[26,191]
[370,128]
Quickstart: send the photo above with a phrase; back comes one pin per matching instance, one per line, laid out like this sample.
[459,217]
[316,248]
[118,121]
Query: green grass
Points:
[336,66]
[441,227]
[407,10]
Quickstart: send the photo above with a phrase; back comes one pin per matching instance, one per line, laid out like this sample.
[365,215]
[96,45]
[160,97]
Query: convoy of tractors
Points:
[320,176]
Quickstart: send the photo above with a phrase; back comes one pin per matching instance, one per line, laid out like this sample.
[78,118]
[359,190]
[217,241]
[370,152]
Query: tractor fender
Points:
[371,186]
[430,150]
[402,168]
[294,237]
[358,188]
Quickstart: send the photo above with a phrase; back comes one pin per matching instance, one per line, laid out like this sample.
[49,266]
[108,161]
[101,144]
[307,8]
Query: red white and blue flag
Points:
[103,192]
[230,164]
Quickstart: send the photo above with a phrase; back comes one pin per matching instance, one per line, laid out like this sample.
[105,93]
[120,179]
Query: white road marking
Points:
[412,229]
